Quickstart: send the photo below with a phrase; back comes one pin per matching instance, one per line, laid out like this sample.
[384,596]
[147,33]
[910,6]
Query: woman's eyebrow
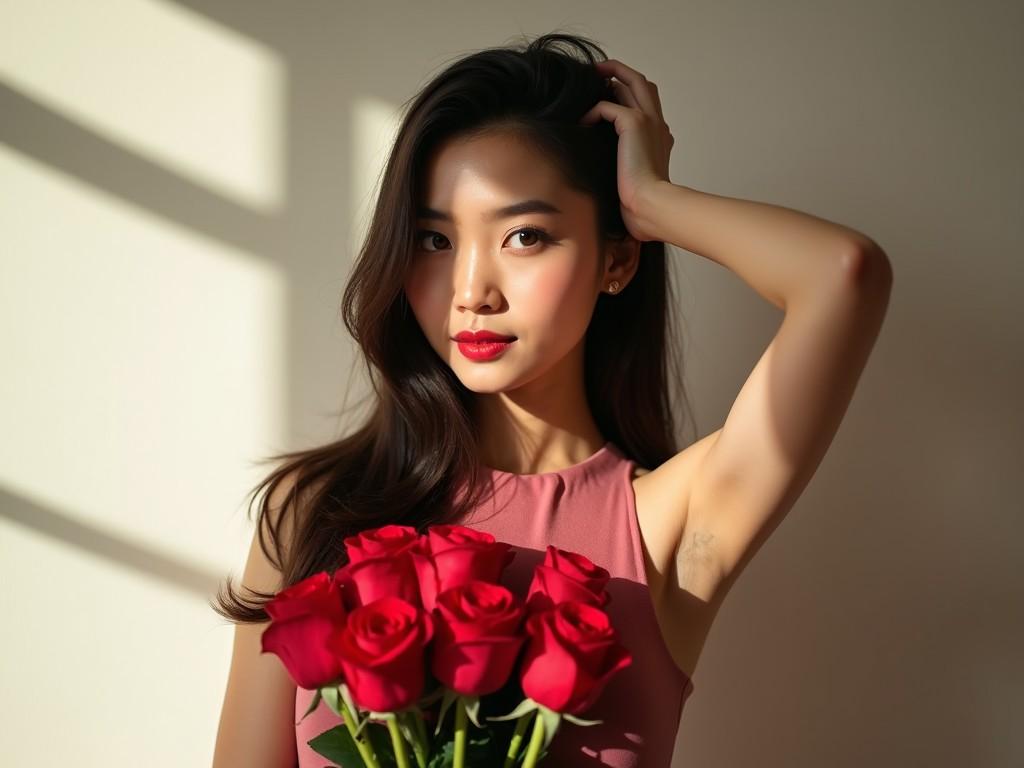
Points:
[516,209]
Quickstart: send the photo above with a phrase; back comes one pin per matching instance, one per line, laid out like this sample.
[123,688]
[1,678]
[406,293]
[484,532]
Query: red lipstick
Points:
[482,345]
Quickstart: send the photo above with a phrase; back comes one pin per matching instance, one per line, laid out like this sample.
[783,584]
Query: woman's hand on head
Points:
[645,139]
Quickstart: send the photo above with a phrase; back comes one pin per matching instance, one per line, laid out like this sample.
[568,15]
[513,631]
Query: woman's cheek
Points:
[418,285]
[420,313]
[554,296]
[425,296]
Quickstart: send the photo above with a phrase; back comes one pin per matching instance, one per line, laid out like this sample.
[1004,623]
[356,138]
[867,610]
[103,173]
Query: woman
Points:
[527,196]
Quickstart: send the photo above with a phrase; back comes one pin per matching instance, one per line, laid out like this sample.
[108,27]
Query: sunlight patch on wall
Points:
[164,82]
[144,365]
[373,128]
[77,624]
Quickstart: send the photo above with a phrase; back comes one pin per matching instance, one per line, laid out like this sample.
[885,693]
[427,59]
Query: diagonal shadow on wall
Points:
[304,238]
[117,549]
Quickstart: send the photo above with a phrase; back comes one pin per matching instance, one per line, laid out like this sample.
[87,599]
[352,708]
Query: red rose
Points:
[380,542]
[572,653]
[381,565]
[477,638]
[381,649]
[460,555]
[303,616]
[567,576]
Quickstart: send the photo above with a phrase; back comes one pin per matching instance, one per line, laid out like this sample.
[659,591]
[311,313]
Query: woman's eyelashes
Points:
[537,234]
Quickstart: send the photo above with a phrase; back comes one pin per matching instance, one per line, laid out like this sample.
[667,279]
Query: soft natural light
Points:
[373,126]
[101,667]
[139,358]
[197,98]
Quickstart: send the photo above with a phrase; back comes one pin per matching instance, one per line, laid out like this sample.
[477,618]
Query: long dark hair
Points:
[405,462]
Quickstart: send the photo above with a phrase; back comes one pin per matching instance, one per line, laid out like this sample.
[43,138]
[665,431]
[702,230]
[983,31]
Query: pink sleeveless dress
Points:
[587,508]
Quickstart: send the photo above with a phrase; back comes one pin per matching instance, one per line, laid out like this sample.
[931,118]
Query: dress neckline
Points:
[605,450]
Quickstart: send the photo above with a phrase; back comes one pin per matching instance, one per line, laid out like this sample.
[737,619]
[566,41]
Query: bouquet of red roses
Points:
[417,620]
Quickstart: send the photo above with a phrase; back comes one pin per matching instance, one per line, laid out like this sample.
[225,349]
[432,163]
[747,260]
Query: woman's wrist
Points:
[660,207]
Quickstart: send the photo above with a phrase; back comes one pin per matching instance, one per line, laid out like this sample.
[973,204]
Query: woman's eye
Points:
[428,236]
[533,236]
[528,233]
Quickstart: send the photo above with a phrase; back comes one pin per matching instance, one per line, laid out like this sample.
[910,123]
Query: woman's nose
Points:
[475,280]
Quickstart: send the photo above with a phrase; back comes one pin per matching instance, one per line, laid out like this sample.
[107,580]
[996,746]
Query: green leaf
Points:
[472,709]
[337,746]
[449,698]
[551,721]
[580,720]
[330,695]
[380,739]
[312,705]
[481,752]
[526,705]
[444,757]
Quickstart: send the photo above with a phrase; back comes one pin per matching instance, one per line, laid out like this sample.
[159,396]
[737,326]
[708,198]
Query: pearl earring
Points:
[613,286]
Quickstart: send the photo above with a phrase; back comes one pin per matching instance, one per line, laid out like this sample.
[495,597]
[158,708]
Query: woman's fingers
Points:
[643,90]
[623,94]
[616,114]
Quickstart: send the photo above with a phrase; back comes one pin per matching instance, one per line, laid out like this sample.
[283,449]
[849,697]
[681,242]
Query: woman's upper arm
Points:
[257,720]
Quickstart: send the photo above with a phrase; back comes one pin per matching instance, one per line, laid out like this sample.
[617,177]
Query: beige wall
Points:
[181,186]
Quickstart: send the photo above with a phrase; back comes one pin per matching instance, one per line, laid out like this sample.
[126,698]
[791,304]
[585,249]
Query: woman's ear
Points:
[622,260]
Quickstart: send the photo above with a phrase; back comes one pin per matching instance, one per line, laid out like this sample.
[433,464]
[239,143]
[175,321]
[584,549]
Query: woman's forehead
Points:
[487,178]
[497,162]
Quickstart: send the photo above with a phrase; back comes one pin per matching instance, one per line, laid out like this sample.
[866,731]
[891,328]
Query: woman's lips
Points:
[483,350]
[475,337]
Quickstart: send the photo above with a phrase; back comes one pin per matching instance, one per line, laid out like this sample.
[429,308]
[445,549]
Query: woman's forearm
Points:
[781,253]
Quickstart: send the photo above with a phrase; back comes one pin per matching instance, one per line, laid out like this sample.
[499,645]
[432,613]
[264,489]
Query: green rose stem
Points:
[535,741]
[420,744]
[365,750]
[421,729]
[398,743]
[460,733]
[513,747]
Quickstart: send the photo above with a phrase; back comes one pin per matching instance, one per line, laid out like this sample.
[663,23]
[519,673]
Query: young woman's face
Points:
[475,269]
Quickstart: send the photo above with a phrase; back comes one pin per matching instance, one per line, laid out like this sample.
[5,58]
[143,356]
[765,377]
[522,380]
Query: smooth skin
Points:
[257,721]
